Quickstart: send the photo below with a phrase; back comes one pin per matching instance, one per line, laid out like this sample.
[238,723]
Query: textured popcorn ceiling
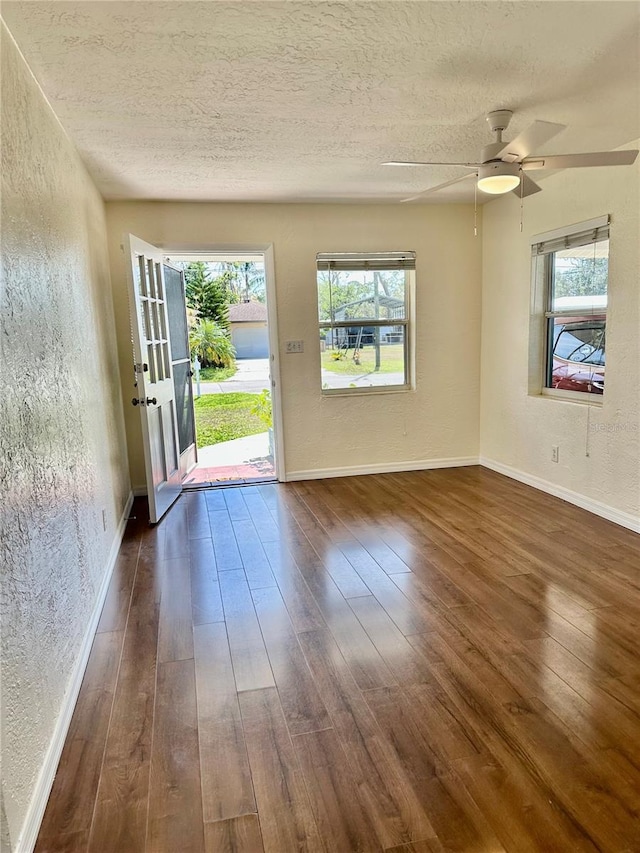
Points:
[283,101]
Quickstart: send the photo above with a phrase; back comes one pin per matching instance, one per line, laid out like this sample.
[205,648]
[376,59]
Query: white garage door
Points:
[251,341]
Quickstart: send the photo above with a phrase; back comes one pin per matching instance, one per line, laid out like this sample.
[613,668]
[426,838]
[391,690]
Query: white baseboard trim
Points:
[29,834]
[139,491]
[624,519]
[382,468]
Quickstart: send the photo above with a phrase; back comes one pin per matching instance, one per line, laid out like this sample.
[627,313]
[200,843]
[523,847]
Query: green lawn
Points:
[223,417]
[217,374]
[391,360]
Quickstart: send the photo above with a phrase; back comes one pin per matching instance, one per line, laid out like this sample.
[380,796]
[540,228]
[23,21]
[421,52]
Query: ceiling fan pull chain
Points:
[521,201]
[475,208]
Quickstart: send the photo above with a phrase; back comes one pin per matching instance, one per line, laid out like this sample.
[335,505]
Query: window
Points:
[573,267]
[364,318]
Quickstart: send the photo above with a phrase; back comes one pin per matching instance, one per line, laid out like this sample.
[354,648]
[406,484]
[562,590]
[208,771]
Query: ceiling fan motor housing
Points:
[490,152]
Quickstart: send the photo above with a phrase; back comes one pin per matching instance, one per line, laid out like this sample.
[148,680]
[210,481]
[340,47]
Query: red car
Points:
[578,354]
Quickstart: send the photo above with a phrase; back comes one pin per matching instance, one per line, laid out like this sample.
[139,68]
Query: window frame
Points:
[375,261]
[544,247]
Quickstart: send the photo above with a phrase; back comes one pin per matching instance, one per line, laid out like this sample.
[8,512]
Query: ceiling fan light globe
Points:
[498,178]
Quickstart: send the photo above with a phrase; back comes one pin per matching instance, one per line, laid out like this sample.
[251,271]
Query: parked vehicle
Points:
[579,354]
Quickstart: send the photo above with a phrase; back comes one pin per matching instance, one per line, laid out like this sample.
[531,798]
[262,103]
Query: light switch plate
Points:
[294,346]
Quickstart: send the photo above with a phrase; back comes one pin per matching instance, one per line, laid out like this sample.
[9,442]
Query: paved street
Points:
[252,378]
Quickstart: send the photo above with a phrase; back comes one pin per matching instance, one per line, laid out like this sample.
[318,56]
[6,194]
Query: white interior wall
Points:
[62,441]
[518,429]
[438,421]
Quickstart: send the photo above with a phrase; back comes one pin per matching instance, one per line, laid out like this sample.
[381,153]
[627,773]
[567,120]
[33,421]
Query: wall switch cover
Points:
[295,346]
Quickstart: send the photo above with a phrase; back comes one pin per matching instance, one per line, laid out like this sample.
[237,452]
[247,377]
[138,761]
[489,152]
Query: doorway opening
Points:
[226,297]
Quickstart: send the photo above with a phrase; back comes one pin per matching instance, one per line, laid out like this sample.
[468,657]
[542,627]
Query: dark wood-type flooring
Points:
[415,663]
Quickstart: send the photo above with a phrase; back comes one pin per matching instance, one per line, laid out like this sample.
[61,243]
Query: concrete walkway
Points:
[234,452]
[252,377]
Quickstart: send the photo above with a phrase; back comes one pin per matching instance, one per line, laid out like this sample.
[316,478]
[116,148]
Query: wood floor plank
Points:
[236,506]
[303,708]
[175,801]
[331,522]
[214,499]
[250,660]
[286,819]
[367,666]
[523,728]
[197,516]
[175,527]
[311,544]
[116,605]
[254,560]
[227,791]
[341,817]
[427,662]
[391,803]
[303,609]
[349,509]
[264,522]
[407,665]
[430,845]
[175,639]
[75,787]
[120,816]
[68,842]
[224,541]
[206,603]
[407,617]
[456,819]
[236,835]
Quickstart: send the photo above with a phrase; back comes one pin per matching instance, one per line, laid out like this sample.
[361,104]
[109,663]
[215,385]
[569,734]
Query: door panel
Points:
[181,367]
[154,379]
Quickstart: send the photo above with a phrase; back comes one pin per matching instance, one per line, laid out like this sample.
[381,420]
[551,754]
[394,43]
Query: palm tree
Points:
[211,343]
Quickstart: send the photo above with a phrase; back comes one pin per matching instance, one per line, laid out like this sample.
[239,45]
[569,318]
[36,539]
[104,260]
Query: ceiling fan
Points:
[503,164]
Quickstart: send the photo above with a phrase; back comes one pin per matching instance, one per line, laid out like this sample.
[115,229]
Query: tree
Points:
[211,343]
[206,295]
[251,279]
[335,290]
[583,277]
[245,280]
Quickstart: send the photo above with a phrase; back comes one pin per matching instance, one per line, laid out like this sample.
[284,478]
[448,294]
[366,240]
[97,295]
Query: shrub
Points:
[211,343]
[263,408]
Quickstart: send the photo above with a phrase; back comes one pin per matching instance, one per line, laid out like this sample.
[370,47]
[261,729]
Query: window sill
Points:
[579,397]
[365,392]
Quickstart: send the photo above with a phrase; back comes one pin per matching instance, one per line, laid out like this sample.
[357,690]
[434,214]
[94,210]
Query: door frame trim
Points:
[267,251]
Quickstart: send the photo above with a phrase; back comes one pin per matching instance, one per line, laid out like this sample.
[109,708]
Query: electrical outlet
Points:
[104,519]
[555,453]
[295,346]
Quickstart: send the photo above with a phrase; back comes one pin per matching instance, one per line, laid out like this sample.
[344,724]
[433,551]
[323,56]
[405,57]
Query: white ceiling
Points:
[302,101]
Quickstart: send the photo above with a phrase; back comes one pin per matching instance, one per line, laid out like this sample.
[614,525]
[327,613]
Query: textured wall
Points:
[439,419]
[62,443]
[517,429]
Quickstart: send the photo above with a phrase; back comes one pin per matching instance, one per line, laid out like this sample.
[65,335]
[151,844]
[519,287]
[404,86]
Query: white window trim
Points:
[351,260]
[540,313]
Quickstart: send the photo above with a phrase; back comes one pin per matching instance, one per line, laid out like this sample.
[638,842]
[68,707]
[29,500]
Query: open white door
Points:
[155,387]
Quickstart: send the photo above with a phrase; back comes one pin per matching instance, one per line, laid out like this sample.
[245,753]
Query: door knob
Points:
[151,401]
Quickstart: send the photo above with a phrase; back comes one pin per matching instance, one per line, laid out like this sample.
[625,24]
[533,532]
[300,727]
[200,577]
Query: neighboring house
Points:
[249,333]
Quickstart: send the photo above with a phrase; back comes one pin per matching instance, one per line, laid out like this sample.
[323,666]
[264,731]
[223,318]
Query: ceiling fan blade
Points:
[439,187]
[529,187]
[535,135]
[594,158]
[418,163]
